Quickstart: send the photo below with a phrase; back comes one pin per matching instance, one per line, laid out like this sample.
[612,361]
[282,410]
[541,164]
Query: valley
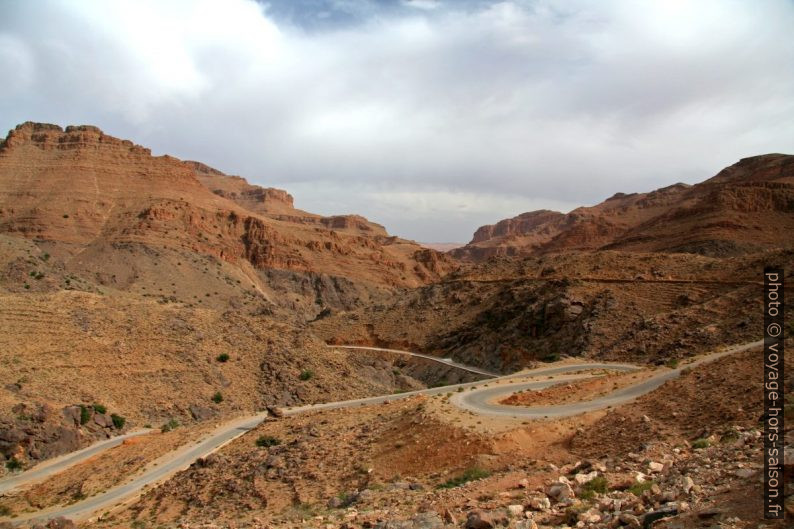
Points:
[181,348]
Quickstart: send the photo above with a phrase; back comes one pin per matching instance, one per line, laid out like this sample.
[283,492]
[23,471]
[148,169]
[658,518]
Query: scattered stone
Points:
[515,510]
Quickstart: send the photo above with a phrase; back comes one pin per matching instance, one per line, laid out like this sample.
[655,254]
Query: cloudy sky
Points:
[430,117]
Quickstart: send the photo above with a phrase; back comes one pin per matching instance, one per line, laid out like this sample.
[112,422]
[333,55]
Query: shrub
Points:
[595,486]
[13,464]
[39,275]
[638,488]
[170,425]
[45,257]
[267,440]
[217,398]
[118,421]
[223,358]
[700,443]
[551,357]
[5,510]
[470,474]
[27,287]
[672,363]
[306,374]
[100,408]
[85,415]
[65,216]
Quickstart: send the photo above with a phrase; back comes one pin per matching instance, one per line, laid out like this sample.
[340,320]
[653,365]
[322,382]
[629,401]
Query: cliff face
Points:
[81,188]
[747,206]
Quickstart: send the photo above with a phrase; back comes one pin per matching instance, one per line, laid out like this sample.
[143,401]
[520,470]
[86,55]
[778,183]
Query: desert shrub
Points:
[470,474]
[118,421]
[13,464]
[45,257]
[638,488]
[551,357]
[595,486]
[223,358]
[170,425]
[5,510]
[100,408]
[217,398]
[306,374]
[700,443]
[267,440]
[85,415]
[672,363]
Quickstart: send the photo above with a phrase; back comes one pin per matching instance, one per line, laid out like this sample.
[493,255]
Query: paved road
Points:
[57,464]
[445,361]
[477,400]
[485,401]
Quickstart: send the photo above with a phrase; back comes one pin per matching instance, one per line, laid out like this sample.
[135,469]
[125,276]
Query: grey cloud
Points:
[381,107]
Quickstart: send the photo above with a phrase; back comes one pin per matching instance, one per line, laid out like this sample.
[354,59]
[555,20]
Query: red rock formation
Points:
[747,206]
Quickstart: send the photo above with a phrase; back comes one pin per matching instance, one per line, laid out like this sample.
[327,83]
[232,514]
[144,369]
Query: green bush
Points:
[13,464]
[306,374]
[217,398]
[118,421]
[170,425]
[551,357]
[672,363]
[223,358]
[267,440]
[638,488]
[470,474]
[100,408]
[85,415]
[595,486]
[700,443]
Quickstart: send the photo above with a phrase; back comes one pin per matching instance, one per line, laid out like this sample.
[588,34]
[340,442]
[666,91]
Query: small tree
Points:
[217,398]
[223,358]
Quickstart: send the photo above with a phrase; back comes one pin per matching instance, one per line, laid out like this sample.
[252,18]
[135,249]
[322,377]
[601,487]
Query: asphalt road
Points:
[485,401]
[478,400]
[57,464]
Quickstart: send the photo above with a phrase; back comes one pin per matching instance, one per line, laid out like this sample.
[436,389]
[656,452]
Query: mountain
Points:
[107,208]
[146,285]
[745,207]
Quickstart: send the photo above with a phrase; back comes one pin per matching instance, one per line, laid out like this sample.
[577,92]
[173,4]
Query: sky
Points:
[431,117]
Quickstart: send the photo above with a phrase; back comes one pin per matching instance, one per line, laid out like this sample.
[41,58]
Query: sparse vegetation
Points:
[700,443]
[638,488]
[85,415]
[470,474]
[217,398]
[5,510]
[672,363]
[306,374]
[118,421]
[13,464]
[170,425]
[222,358]
[551,357]
[595,486]
[100,408]
[267,440]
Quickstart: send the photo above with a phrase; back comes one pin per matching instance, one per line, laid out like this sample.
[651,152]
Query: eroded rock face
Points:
[747,206]
[106,192]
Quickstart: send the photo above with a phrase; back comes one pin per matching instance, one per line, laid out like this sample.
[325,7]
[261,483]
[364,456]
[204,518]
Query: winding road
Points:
[480,400]
[445,361]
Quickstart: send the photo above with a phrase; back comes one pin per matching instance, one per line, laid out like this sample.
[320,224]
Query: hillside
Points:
[124,277]
[745,207]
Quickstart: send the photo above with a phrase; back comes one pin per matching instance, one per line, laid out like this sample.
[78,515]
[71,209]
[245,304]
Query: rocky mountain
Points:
[146,285]
[745,207]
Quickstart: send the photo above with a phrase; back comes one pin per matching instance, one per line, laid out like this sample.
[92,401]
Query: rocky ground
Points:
[416,464]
